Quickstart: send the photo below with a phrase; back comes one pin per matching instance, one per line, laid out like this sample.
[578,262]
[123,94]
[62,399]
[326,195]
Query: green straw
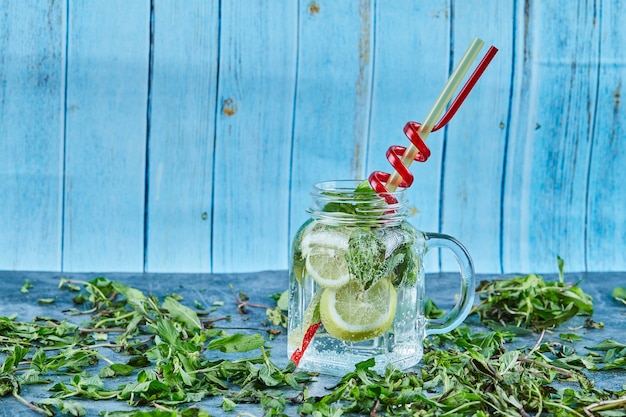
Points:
[438,107]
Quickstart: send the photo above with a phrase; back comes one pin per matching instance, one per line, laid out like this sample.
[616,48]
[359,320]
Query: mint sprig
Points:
[366,257]
[530,302]
[369,259]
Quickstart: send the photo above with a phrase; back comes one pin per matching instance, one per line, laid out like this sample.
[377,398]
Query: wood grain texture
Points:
[545,196]
[105,148]
[185,136]
[472,168]
[32,63]
[332,97]
[606,195]
[181,137]
[253,131]
[410,69]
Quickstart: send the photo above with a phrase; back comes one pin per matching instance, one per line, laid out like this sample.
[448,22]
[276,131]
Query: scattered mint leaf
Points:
[66,283]
[276,317]
[182,314]
[228,405]
[570,337]
[168,332]
[431,311]
[139,361]
[132,295]
[38,362]
[100,337]
[68,407]
[607,345]
[237,343]
[177,296]
[619,293]
[26,286]
[17,353]
[116,369]
[283,301]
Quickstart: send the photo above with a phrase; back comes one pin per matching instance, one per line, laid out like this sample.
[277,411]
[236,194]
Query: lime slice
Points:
[298,270]
[319,235]
[328,266]
[312,312]
[353,315]
[294,338]
[311,316]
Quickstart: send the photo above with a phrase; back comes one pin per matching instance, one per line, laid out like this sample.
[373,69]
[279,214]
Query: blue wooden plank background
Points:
[182,113]
[153,136]
[105,134]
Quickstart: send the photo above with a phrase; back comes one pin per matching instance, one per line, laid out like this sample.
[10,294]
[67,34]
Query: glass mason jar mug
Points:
[356,282]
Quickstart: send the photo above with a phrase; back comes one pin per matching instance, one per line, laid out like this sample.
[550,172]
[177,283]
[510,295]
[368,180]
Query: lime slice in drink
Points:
[311,316]
[349,313]
[327,266]
[319,235]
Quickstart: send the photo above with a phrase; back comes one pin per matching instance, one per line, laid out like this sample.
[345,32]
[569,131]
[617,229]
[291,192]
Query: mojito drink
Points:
[356,275]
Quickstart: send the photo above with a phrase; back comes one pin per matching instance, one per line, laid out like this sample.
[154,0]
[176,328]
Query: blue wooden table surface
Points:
[207,289]
[162,136]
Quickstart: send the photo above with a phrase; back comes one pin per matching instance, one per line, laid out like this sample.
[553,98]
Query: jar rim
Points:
[341,201]
[346,184]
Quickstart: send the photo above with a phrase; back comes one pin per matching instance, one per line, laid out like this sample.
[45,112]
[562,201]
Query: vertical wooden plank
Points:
[32,60]
[107,83]
[476,138]
[547,161]
[412,48]
[256,90]
[182,129]
[518,166]
[332,98]
[606,214]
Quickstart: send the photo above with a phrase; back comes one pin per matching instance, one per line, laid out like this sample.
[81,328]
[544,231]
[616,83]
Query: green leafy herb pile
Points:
[163,343]
[466,373]
[167,358]
[530,302]
[474,374]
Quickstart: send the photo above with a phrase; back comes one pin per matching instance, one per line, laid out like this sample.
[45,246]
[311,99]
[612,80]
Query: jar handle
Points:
[460,311]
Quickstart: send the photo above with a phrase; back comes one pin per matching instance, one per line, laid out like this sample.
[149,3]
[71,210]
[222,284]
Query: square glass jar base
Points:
[340,363]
